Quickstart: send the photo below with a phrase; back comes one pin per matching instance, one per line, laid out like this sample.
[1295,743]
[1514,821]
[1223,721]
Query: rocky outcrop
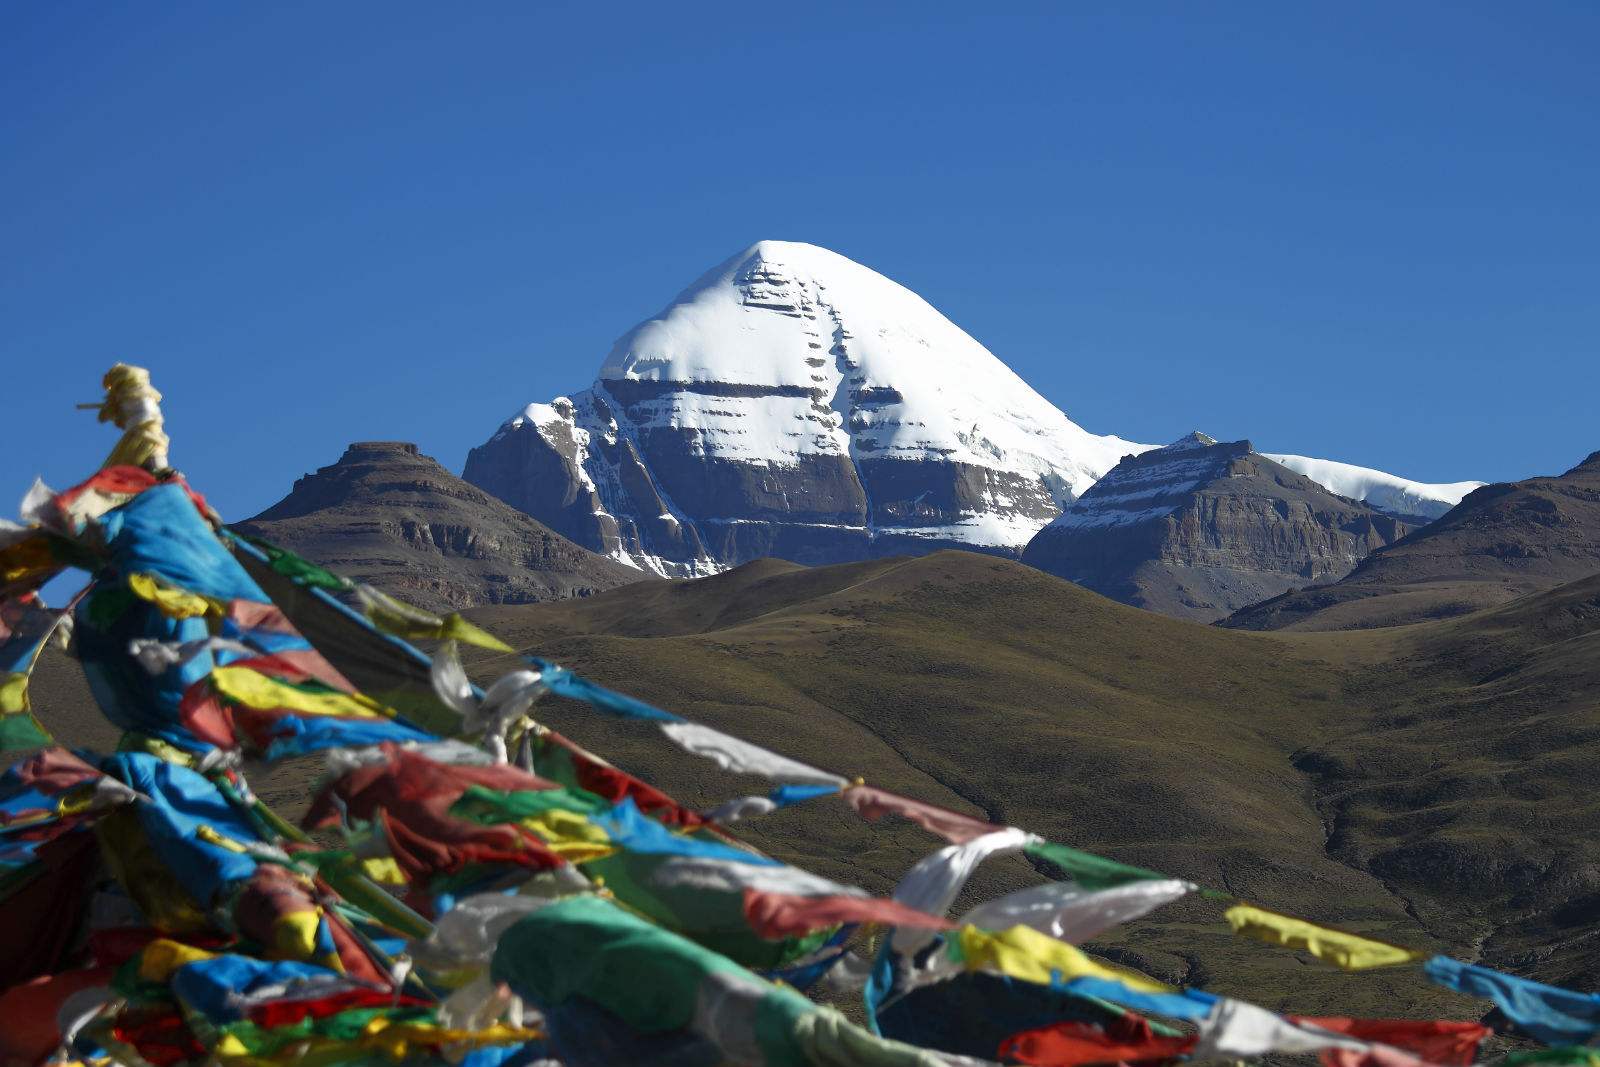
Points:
[1199,529]
[388,515]
[1501,542]
[793,403]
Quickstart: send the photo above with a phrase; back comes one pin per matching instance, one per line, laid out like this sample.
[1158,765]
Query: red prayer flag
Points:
[1128,1039]
[1441,1041]
[873,804]
[777,915]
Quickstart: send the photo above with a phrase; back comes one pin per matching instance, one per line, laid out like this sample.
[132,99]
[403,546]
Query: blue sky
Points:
[1368,232]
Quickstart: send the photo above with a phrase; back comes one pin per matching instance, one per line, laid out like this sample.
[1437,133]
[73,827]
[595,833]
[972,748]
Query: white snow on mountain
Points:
[1388,492]
[1155,486]
[901,380]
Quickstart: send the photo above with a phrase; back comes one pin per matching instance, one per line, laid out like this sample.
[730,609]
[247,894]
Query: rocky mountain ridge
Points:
[1198,529]
[1501,542]
[386,514]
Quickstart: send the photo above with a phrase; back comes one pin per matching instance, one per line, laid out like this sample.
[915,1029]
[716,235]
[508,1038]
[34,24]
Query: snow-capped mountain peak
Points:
[1192,440]
[792,401]
[899,378]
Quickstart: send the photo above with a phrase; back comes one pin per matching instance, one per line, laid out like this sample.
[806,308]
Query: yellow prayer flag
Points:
[572,836]
[403,620]
[13,693]
[1025,953]
[256,690]
[383,870]
[1349,951]
[161,957]
[174,602]
[27,562]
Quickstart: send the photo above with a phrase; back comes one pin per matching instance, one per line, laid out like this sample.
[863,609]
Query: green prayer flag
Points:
[297,569]
[1087,869]
[491,808]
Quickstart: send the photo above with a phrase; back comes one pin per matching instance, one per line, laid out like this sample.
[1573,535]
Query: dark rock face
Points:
[387,515]
[1199,529]
[1501,542]
[796,404]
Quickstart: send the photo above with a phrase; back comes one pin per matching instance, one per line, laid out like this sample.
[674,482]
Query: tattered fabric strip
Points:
[1072,1044]
[563,683]
[751,807]
[742,757]
[1071,914]
[1553,1015]
[1190,1005]
[1349,951]
[872,804]
[1087,869]
[402,620]
[775,915]
[1025,953]
[632,831]
[932,885]
[1442,1042]
[1235,1030]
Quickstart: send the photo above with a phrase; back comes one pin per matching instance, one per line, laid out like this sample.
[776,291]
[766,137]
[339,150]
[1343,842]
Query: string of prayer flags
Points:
[384,667]
[933,883]
[656,984]
[1189,1005]
[555,757]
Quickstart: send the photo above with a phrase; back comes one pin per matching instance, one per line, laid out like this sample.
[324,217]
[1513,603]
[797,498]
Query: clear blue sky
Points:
[1369,232]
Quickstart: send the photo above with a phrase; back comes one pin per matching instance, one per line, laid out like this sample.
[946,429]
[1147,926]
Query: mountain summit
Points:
[794,403]
[1199,529]
[387,514]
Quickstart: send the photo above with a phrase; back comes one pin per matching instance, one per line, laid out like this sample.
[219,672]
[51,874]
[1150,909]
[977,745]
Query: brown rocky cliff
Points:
[1502,542]
[1199,529]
